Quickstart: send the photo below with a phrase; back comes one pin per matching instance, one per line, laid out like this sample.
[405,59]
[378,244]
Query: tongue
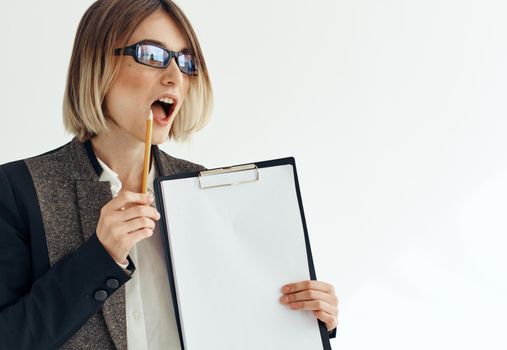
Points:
[158,111]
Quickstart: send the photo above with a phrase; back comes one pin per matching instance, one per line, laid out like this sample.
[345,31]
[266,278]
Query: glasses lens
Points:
[187,65]
[152,55]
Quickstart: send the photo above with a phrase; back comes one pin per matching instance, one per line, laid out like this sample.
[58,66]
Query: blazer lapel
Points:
[92,195]
[164,167]
[167,165]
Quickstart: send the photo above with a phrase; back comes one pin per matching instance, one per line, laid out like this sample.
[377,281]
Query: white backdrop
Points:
[395,113]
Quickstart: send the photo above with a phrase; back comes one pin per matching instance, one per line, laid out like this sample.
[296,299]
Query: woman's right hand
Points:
[124,221]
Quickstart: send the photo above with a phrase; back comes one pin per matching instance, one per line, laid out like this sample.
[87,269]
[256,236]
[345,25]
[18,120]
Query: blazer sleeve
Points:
[44,313]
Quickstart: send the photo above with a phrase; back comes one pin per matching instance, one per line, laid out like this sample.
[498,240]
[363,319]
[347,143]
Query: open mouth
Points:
[164,105]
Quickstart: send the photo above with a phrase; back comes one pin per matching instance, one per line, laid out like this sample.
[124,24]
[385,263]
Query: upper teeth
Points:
[166,100]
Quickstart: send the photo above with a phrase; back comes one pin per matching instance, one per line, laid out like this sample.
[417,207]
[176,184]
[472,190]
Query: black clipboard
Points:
[201,178]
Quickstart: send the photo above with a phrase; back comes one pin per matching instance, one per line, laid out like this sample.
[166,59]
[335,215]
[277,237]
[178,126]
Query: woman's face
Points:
[138,88]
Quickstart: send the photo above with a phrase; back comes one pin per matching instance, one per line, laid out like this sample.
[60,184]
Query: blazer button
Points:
[112,283]
[100,295]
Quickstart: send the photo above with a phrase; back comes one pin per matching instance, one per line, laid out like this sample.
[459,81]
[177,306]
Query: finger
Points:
[308,295]
[127,198]
[138,211]
[330,321]
[138,224]
[309,284]
[139,235]
[313,305]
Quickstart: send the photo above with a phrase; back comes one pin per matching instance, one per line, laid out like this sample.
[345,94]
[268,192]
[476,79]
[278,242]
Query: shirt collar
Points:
[109,175]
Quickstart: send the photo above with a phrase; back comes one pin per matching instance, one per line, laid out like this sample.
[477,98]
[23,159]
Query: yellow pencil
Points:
[147,151]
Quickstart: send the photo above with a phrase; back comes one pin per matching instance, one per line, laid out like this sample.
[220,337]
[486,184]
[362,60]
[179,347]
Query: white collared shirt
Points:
[151,323]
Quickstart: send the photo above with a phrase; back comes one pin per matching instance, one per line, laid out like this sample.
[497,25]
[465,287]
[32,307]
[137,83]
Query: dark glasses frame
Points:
[133,49]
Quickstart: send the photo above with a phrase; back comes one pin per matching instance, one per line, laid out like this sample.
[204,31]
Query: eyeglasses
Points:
[158,57]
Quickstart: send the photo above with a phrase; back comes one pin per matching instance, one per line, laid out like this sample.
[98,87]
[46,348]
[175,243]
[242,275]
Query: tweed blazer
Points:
[59,288]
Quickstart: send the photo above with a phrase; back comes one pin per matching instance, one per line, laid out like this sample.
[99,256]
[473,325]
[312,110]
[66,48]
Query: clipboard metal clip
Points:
[250,170]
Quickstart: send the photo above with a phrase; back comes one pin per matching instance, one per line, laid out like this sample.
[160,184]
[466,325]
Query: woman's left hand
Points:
[317,296]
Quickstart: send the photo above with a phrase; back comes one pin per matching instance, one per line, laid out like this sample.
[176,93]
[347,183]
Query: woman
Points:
[81,262]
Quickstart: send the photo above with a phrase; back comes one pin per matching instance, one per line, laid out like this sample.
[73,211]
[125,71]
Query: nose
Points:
[172,74]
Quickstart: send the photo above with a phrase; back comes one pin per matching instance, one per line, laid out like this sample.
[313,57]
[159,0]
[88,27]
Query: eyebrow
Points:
[153,41]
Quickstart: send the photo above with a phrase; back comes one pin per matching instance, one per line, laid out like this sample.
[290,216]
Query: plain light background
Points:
[395,113]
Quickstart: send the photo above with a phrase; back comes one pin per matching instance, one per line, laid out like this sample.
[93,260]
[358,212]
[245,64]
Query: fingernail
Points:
[284,299]
[286,289]
[294,305]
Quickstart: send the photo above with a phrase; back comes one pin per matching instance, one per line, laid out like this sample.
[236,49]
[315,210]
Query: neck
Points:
[124,155]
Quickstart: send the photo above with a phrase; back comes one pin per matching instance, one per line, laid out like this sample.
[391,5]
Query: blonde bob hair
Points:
[107,25]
